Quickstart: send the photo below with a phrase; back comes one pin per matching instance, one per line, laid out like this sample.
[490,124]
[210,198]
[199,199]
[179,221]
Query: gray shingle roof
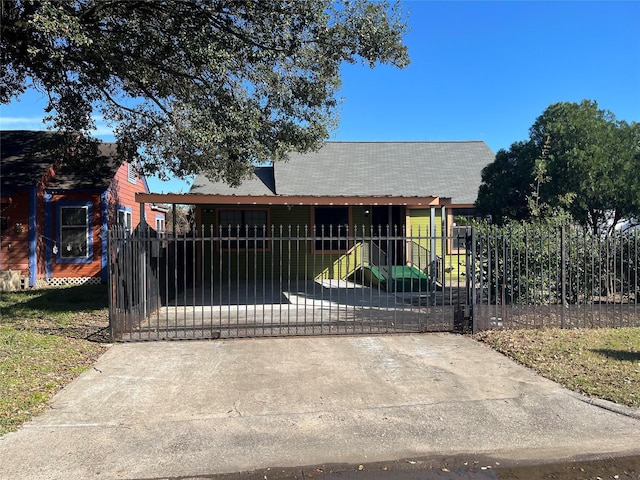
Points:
[376,169]
[27,156]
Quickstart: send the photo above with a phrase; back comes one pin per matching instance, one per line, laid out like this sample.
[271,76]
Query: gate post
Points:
[472,280]
[111,284]
[143,260]
[563,277]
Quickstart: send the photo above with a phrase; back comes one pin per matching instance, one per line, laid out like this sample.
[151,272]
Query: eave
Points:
[203,199]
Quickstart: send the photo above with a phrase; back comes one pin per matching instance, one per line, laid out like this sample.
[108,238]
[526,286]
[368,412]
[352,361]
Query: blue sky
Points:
[479,71]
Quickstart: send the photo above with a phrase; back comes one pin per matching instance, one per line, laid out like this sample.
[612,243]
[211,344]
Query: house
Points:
[419,189]
[54,215]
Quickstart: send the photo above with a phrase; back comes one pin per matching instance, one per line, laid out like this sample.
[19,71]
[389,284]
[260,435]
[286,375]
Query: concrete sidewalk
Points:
[162,409]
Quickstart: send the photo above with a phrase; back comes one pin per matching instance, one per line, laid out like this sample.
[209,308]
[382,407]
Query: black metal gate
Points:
[280,282]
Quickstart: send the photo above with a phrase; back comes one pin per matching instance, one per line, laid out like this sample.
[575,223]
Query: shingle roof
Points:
[260,183]
[373,169]
[26,156]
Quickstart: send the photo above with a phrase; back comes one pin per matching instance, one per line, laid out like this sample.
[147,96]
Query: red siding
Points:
[123,194]
[14,241]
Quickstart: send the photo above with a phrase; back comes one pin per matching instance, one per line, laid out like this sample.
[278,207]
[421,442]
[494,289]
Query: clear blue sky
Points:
[479,71]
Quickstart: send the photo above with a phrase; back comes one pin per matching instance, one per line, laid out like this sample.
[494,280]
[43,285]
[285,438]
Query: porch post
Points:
[432,235]
[173,219]
[433,271]
[48,234]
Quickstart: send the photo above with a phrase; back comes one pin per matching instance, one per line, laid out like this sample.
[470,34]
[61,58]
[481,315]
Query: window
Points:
[75,233]
[160,224]
[125,219]
[331,226]
[245,228]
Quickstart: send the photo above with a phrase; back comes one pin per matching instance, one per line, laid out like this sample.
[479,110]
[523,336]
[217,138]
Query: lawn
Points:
[47,338]
[603,363]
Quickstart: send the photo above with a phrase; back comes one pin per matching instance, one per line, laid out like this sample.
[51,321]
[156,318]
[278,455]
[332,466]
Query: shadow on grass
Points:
[56,300]
[76,311]
[622,355]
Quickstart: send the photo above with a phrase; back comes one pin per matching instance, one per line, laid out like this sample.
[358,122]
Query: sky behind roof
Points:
[479,71]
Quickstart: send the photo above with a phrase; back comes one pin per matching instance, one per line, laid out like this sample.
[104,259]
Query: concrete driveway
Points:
[163,409]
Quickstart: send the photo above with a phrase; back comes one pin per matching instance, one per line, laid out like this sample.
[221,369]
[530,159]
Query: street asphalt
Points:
[201,408]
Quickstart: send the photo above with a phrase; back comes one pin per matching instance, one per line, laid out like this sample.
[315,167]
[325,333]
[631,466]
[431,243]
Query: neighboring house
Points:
[417,188]
[54,217]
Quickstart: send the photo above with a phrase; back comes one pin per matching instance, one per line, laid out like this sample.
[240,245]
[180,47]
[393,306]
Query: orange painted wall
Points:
[14,240]
[123,193]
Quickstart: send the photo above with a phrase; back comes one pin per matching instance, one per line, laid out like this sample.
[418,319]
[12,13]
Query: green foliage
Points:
[579,159]
[535,261]
[199,86]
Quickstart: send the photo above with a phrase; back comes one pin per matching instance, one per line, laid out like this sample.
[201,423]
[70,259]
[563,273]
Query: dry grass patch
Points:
[603,363]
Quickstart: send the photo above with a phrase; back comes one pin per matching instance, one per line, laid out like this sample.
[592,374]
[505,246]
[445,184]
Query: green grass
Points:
[47,338]
[603,363]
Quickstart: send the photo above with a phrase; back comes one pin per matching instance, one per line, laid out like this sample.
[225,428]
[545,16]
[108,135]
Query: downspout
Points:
[445,240]
[33,236]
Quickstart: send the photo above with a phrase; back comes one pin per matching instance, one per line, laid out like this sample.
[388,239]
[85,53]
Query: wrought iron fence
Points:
[279,281]
[241,282]
[554,276]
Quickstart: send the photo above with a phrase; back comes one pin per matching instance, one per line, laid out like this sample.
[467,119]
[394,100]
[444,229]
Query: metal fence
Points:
[280,282]
[244,282]
[542,276]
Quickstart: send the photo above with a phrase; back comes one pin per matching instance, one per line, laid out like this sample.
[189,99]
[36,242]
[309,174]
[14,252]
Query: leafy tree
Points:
[193,86]
[578,159]
[506,183]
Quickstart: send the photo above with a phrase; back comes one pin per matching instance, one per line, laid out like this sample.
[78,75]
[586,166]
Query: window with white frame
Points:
[160,224]
[75,231]
[125,219]
[245,228]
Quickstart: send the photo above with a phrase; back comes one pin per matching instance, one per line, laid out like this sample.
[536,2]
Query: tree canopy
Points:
[579,159]
[196,86]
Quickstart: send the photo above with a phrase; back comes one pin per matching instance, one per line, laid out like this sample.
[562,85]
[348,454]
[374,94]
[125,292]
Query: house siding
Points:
[14,241]
[122,194]
[60,268]
[31,250]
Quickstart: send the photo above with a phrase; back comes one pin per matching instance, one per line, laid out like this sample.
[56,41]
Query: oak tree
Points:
[196,86]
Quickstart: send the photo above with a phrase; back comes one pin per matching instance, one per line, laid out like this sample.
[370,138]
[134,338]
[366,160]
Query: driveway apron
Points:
[169,409]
